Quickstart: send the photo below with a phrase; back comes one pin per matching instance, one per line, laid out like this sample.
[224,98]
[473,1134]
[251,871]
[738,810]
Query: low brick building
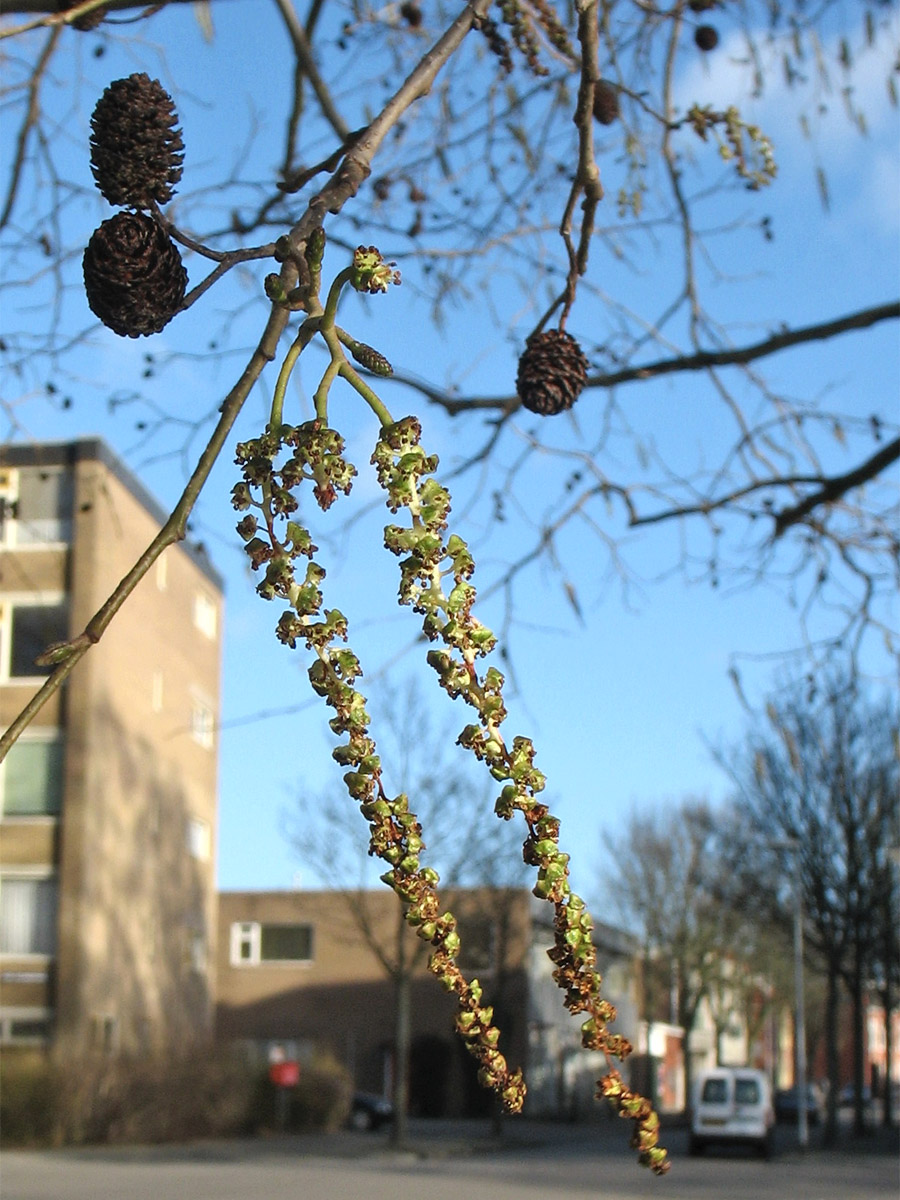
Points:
[311,971]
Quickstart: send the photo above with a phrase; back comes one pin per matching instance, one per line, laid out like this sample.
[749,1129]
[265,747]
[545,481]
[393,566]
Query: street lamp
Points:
[793,846]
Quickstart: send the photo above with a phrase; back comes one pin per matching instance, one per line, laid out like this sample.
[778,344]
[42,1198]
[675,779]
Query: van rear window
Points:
[715,1091]
[746,1091]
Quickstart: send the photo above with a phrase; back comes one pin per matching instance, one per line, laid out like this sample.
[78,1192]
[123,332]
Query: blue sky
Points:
[622,705]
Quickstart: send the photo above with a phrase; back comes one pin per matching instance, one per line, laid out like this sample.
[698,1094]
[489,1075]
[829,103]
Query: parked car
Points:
[732,1105]
[847,1096]
[370,1111]
[787,1106]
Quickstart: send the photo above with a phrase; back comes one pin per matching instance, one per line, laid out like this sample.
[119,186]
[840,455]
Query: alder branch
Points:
[305,60]
[355,166]
[699,361]
[832,489]
[587,177]
[28,123]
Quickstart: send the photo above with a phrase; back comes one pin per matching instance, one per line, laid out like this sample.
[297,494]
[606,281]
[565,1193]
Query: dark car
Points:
[787,1106]
[370,1111]
[847,1096]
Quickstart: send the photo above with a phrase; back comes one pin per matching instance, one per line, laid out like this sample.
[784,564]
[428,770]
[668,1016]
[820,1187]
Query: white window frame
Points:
[37,874]
[199,952]
[249,933]
[9,602]
[157,691]
[198,837]
[203,721]
[9,528]
[10,1014]
[35,734]
[206,615]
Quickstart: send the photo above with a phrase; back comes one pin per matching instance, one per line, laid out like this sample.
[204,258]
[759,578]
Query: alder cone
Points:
[606,103]
[552,372]
[87,21]
[136,149]
[133,275]
[706,37]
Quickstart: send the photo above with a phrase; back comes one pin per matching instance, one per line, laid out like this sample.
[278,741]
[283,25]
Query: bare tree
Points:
[821,774]
[664,877]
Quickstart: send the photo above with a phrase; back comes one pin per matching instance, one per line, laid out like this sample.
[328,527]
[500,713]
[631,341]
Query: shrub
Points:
[65,1100]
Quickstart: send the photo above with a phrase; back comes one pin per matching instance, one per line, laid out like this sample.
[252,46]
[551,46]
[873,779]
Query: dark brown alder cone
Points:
[706,37]
[133,275]
[87,21]
[606,102]
[136,149]
[552,372]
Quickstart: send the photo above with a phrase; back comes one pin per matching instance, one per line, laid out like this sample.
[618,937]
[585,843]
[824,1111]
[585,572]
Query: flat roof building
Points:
[108,800]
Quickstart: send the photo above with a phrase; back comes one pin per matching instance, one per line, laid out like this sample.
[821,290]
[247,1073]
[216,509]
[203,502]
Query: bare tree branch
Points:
[700,361]
[837,486]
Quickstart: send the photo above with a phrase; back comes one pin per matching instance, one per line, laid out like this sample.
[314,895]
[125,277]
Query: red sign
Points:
[285,1074]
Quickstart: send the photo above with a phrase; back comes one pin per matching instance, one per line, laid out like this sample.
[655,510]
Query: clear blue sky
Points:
[621,707]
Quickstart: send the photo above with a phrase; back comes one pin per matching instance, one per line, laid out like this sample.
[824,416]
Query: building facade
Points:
[108,800]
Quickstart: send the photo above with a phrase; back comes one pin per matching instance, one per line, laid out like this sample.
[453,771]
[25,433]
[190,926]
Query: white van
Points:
[732,1104]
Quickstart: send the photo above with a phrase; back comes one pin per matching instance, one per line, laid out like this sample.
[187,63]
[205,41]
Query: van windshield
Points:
[746,1091]
[715,1091]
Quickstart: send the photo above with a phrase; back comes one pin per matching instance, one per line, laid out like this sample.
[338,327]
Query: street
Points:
[449,1160]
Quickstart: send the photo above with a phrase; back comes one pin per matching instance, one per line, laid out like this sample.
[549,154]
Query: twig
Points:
[699,361]
[832,489]
[28,124]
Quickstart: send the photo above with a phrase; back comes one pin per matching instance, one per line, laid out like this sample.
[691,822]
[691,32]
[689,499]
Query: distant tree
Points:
[818,779]
[663,875]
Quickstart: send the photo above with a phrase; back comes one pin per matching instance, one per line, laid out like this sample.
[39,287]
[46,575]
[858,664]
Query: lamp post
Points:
[793,846]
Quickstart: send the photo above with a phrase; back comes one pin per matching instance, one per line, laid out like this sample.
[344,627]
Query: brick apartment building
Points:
[108,801]
[295,971]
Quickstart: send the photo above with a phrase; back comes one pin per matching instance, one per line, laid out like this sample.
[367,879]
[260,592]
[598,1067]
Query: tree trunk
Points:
[859,1017]
[400,1096]
[831,1050]
[887,1000]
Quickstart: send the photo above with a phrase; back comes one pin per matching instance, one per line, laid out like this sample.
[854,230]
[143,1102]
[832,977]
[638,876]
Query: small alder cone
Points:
[133,275]
[606,103]
[706,37]
[136,150]
[552,373]
[87,21]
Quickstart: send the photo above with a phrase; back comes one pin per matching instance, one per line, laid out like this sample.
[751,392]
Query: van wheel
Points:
[695,1146]
[765,1148]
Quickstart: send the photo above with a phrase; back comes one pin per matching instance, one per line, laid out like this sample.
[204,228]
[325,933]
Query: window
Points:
[715,1091]
[205,614]
[28,629]
[253,943]
[746,1091]
[203,724]
[478,950]
[25,1026]
[32,776]
[27,916]
[198,953]
[36,506]
[198,838]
